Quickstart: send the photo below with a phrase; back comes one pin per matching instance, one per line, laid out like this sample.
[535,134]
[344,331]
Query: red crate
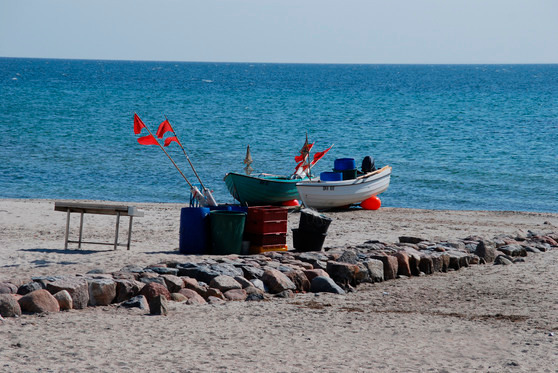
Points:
[266,239]
[262,226]
[266,213]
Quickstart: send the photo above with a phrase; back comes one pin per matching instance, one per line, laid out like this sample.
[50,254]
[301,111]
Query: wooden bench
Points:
[93,208]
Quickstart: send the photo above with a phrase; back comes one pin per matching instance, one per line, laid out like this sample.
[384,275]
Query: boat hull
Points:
[261,189]
[323,195]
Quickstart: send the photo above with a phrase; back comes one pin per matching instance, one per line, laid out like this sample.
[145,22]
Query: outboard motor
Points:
[368,164]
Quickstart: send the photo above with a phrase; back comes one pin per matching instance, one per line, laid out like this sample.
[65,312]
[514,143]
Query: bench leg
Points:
[116,233]
[130,232]
[67,230]
[80,230]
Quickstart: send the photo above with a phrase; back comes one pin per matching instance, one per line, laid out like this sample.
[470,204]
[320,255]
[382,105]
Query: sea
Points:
[458,137]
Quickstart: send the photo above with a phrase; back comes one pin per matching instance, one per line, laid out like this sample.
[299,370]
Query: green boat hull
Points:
[261,189]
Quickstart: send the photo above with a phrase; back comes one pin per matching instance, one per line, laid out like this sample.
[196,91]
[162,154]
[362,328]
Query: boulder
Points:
[486,250]
[215,300]
[153,290]
[409,239]
[348,256]
[39,301]
[343,273]
[403,267]
[258,284]
[29,287]
[300,280]
[390,265]
[236,295]
[513,250]
[243,281]
[193,296]
[251,272]
[212,292]
[127,289]
[224,283]
[177,297]
[227,269]
[503,260]
[277,281]
[101,292]
[64,300]
[311,273]
[322,284]
[9,306]
[375,270]
[8,288]
[199,272]
[75,286]
[173,283]
[158,305]
[138,301]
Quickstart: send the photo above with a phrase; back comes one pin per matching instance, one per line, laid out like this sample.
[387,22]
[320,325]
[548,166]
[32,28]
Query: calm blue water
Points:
[466,137]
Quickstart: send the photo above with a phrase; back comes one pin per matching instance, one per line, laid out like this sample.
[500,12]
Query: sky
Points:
[283,31]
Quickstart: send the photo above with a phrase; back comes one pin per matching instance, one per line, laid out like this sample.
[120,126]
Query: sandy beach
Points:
[483,318]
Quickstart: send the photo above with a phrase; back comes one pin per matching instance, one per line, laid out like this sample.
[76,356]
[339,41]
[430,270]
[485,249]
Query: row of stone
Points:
[258,277]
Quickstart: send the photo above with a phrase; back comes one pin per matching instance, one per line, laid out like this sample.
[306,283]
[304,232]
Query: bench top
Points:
[95,208]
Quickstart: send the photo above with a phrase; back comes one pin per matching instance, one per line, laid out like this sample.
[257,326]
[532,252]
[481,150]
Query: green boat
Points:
[262,189]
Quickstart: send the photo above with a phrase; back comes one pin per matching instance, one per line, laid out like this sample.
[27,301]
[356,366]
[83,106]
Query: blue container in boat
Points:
[331,176]
[194,230]
[342,164]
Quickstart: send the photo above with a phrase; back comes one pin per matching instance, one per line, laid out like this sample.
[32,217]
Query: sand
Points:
[483,318]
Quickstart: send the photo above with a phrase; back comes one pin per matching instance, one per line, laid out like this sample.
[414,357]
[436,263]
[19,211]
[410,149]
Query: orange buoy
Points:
[292,202]
[372,203]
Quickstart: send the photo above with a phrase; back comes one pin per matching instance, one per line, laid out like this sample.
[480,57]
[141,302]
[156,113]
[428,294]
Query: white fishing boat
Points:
[324,195]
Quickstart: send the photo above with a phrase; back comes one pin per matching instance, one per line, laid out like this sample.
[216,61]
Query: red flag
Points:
[148,140]
[319,155]
[168,140]
[138,124]
[164,127]
[304,152]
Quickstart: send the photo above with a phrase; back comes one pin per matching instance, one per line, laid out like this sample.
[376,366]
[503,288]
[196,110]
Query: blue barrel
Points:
[194,230]
[331,176]
[344,164]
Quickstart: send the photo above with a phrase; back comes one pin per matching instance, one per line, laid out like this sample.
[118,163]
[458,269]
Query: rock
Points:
[426,264]
[258,284]
[255,297]
[375,270]
[125,276]
[153,290]
[277,281]
[409,239]
[8,288]
[224,283]
[486,250]
[126,289]
[285,294]
[177,297]
[503,260]
[101,292]
[64,300]
[158,305]
[164,270]
[227,269]
[150,279]
[199,272]
[311,273]
[300,280]
[29,287]
[39,301]
[513,250]
[403,267]
[236,295]
[173,283]
[77,287]
[390,265]
[322,284]
[192,296]
[348,256]
[9,306]
[251,272]
[138,301]
[343,273]
[440,262]
[243,281]
[212,292]
[215,300]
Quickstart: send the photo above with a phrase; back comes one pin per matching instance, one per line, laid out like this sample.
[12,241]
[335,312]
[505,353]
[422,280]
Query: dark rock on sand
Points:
[323,284]
[9,306]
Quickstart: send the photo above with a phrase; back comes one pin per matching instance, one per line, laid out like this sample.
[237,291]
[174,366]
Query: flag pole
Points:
[184,151]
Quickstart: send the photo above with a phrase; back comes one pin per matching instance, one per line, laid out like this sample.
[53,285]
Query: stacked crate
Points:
[266,229]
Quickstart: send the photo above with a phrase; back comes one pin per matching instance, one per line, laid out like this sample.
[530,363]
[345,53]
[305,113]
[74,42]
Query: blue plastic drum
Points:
[331,176]
[342,164]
